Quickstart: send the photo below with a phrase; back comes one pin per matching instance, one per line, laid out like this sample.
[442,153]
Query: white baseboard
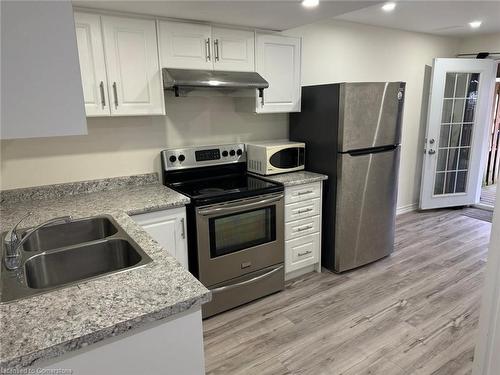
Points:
[407,208]
[483,206]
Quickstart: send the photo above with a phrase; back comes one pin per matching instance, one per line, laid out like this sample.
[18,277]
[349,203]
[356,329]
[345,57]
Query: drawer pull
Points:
[305,192]
[304,228]
[304,253]
[304,211]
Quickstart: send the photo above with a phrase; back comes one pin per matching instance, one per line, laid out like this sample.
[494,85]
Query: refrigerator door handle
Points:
[372,150]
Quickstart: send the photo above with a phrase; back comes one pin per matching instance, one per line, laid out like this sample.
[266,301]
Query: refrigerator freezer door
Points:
[370,115]
[366,208]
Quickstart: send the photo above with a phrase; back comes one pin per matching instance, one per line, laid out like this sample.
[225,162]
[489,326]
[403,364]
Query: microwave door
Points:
[287,160]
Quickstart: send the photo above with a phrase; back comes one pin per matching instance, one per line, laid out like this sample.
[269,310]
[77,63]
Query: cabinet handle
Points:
[207,50]
[216,45]
[115,93]
[304,211]
[183,232]
[103,98]
[305,192]
[304,228]
[304,253]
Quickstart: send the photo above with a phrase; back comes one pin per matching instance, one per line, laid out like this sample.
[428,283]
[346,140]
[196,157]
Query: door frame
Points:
[429,163]
[486,359]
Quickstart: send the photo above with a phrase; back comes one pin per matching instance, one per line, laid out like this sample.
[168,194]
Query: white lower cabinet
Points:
[302,229]
[168,228]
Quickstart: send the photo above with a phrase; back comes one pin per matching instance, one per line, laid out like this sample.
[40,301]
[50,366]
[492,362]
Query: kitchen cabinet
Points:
[198,46]
[233,49]
[92,65]
[278,60]
[168,228]
[119,62]
[41,88]
[302,229]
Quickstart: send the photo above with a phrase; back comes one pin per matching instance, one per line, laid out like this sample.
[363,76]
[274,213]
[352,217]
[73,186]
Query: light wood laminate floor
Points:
[415,312]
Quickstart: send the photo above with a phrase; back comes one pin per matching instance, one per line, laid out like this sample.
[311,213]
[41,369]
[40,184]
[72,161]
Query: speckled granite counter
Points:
[295,178]
[48,325]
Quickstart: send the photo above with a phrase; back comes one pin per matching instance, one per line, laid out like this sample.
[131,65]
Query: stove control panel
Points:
[192,157]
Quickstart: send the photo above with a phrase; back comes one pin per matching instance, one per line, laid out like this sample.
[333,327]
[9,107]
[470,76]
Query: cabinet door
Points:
[185,45]
[168,228]
[92,65]
[278,61]
[233,49]
[134,77]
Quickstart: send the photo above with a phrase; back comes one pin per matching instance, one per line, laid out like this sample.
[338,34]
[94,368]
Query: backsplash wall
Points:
[123,146]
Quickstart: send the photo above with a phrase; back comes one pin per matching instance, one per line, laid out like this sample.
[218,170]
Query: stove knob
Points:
[182,158]
[224,153]
[172,159]
[239,152]
[232,153]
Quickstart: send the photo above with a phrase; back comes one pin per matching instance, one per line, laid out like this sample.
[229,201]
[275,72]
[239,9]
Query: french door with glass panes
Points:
[457,125]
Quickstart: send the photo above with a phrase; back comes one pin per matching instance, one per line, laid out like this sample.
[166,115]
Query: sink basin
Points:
[62,255]
[64,266]
[72,233]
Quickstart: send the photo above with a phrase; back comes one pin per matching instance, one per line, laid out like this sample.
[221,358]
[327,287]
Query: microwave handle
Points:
[237,206]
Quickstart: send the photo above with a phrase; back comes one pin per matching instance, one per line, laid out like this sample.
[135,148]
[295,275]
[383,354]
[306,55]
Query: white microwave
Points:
[274,157]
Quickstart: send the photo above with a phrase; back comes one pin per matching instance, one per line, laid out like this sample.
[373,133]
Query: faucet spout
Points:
[13,244]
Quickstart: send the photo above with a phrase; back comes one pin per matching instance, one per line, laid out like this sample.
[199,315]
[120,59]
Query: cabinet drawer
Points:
[301,193]
[302,227]
[301,210]
[301,252]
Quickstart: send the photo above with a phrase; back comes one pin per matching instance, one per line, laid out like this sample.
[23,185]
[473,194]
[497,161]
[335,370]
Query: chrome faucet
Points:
[12,243]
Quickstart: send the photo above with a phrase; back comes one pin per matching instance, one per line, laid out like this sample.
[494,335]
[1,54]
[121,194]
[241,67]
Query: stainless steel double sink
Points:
[62,255]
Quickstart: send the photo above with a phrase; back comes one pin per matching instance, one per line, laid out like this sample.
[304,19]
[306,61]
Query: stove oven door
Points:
[239,237]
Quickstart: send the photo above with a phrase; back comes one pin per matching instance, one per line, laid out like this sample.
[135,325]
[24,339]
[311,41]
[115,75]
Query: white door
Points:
[168,228]
[278,61]
[134,76]
[92,64]
[457,125]
[185,45]
[233,49]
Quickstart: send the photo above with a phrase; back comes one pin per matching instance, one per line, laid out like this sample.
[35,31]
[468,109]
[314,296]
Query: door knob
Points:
[432,152]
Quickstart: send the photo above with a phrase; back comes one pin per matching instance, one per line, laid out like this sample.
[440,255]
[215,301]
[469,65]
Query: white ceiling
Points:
[274,15]
[449,18]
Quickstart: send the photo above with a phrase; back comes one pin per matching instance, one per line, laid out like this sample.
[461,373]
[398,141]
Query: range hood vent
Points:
[191,79]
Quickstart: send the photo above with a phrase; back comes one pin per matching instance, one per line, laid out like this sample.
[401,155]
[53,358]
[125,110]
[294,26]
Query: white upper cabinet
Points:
[41,89]
[278,60]
[233,49]
[185,45]
[198,46]
[92,65]
[134,77]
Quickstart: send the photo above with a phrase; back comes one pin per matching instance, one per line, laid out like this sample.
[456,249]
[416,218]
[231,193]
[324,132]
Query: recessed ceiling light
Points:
[475,24]
[389,7]
[310,3]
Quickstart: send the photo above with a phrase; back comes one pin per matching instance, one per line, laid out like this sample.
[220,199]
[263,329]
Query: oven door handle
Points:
[231,208]
[246,282]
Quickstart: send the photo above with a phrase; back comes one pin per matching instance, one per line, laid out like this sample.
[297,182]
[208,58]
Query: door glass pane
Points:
[439,184]
[444,137]
[458,110]
[447,110]
[461,85]
[456,131]
[450,85]
[450,182]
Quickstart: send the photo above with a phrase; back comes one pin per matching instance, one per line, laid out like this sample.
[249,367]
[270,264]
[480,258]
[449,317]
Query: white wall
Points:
[480,43]
[335,51]
[123,146]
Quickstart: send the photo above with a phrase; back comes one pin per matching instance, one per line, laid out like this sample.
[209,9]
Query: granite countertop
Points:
[48,325]
[295,178]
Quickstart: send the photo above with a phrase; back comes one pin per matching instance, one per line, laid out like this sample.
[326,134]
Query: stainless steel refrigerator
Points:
[352,133]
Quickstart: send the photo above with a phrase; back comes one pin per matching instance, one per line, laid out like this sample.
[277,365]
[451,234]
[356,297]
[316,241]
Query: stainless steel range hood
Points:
[191,79]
